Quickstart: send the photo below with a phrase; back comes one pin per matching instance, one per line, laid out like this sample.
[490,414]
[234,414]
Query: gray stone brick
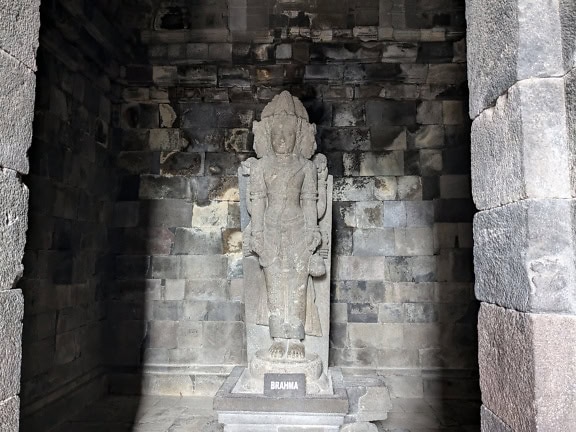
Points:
[193,310]
[17,94]
[225,311]
[374,164]
[322,72]
[455,266]
[206,289]
[359,268]
[174,289]
[198,241]
[394,214]
[350,114]
[414,241]
[512,345]
[430,162]
[10,413]
[165,140]
[390,113]
[362,313]
[344,139]
[203,267]
[509,161]
[12,307]
[368,214]
[162,334]
[354,189]
[165,267]
[419,213]
[160,187]
[420,312]
[359,291]
[166,213]
[379,336]
[20,33]
[527,42]
[385,188]
[168,310]
[189,334]
[390,313]
[429,113]
[374,242]
[409,188]
[14,202]
[534,243]
[490,422]
[411,269]
[126,214]
[427,137]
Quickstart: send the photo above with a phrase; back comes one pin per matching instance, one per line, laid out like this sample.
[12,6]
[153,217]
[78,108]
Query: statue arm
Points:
[257,199]
[309,199]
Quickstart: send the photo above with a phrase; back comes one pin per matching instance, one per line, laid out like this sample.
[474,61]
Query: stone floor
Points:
[195,414]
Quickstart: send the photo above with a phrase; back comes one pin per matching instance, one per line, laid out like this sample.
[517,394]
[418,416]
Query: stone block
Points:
[525,41]
[362,313]
[165,140]
[527,362]
[17,94]
[491,423]
[214,214]
[521,148]
[198,241]
[454,186]
[374,242]
[166,213]
[162,334]
[19,31]
[204,267]
[410,188]
[366,215]
[161,187]
[9,414]
[207,289]
[374,164]
[359,268]
[414,241]
[411,269]
[344,139]
[378,335]
[419,213]
[359,291]
[13,226]
[165,267]
[533,241]
[354,189]
[390,113]
[429,112]
[12,309]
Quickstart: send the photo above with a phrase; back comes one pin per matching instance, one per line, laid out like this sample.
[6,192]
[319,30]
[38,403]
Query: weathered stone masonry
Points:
[522,100]
[386,87]
[72,181]
[18,43]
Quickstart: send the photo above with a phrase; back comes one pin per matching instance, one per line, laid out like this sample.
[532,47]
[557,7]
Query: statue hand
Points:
[313,240]
[257,243]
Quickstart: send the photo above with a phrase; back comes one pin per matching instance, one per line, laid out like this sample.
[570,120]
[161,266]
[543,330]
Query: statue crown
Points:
[285,104]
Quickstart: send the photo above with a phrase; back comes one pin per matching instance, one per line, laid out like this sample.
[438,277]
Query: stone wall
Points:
[18,43]
[386,84]
[523,183]
[72,186]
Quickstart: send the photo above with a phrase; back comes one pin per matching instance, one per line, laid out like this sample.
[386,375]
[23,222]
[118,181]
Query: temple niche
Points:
[286,217]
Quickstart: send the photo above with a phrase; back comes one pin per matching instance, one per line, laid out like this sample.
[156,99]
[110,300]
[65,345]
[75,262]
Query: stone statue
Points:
[286,196]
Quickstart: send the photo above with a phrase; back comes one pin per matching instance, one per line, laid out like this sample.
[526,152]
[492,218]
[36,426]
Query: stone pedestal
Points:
[254,412]
[252,379]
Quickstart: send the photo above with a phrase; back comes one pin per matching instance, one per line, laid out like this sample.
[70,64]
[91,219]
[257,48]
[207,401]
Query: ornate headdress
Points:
[285,104]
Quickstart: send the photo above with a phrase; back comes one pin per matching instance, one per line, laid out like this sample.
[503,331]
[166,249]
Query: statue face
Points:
[283,134]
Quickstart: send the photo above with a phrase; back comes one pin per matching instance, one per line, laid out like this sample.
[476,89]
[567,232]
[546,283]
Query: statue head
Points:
[285,128]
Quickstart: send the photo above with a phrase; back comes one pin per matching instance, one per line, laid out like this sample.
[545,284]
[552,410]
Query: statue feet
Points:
[295,350]
[278,349]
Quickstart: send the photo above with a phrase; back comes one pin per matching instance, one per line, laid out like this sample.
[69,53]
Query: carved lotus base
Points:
[252,380]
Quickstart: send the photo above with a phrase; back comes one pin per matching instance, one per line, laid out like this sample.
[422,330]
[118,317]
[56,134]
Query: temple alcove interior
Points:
[132,270]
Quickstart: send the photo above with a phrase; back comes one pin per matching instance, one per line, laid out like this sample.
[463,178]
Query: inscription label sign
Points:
[284,385]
